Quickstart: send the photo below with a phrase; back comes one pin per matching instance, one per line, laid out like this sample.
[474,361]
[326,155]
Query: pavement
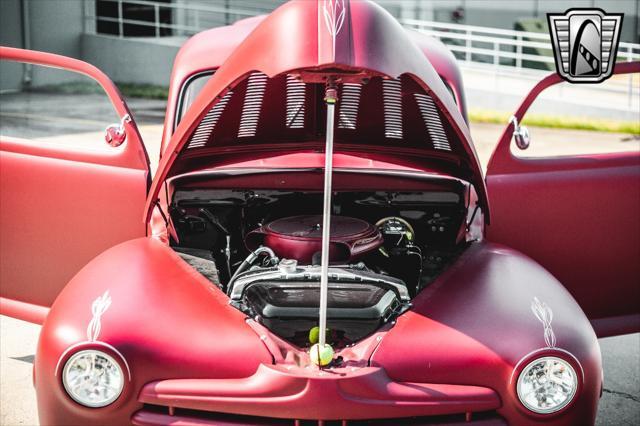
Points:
[620,403]
[497,89]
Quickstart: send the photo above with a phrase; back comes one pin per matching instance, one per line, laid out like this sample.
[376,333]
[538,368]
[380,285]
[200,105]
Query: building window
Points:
[133,19]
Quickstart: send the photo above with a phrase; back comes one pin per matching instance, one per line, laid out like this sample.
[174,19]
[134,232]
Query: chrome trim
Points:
[379,309]
[312,274]
[560,353]
[546,352]
[70,393]
[569,399]
[93,344]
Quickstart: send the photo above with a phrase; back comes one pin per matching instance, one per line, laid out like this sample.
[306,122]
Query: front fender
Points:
[165,319]
[474,325]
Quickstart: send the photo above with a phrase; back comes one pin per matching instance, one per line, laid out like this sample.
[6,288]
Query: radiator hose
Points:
[246,264]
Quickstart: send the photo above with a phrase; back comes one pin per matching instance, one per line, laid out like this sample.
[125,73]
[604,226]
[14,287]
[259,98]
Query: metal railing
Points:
[508,49]
[502,47]
[505,53]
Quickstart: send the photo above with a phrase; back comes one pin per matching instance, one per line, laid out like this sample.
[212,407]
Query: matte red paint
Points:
[199,55]
[53,197]
[577,216]
[151,418]
[24,311]
[476,320]
[352,174]
[293,38]
[483,343]
[293,393]
[165,319]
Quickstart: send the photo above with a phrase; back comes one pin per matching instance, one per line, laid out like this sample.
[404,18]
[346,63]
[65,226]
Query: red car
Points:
[452,297]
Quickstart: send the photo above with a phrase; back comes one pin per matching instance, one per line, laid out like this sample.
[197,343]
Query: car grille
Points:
[298,395]
[155,415]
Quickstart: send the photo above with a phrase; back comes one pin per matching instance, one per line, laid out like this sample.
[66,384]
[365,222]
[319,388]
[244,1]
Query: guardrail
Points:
[509,51]
[502,47]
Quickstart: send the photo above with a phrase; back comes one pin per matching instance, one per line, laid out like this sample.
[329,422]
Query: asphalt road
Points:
[620,403]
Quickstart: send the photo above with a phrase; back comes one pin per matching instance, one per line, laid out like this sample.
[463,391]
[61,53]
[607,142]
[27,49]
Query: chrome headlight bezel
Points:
[531,363]
[111,362]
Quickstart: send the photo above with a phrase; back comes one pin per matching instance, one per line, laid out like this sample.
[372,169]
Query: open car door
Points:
[66,194]
[577,215]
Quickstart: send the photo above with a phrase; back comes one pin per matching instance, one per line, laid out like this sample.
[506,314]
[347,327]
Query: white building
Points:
[135,41]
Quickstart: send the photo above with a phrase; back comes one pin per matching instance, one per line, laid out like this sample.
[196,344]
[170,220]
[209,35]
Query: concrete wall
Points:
[53,26]
[58,26]
[206,19]
[10,35]
[132,60]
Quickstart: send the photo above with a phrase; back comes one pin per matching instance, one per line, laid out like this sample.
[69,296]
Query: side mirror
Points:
[115,134]
[520,134]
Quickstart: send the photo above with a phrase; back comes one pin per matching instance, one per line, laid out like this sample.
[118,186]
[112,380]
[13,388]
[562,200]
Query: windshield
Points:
[190,92]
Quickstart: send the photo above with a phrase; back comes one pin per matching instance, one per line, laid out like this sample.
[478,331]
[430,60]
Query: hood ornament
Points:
[545,315]
[98,308]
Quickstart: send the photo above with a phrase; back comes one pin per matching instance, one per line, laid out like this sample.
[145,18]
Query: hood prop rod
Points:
[324,353]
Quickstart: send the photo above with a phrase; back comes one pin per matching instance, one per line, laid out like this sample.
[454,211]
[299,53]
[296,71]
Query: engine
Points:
[379,259]
[300,238]
[284,295]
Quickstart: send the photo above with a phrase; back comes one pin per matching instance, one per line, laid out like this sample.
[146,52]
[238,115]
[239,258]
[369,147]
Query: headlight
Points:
[547,384]
[92,378]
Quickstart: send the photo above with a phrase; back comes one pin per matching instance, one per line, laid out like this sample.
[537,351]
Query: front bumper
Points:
[285,392]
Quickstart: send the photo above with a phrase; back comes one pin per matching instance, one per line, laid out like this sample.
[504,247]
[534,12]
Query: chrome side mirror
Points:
[115,134]
[520,134]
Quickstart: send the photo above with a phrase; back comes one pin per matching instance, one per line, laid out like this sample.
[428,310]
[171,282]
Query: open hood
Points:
[267,97]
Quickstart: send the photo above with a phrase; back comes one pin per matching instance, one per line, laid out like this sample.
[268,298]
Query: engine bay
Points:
[262,248]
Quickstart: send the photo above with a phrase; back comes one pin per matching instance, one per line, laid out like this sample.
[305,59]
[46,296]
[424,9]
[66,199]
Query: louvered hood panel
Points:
[383,114]
[267,98]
